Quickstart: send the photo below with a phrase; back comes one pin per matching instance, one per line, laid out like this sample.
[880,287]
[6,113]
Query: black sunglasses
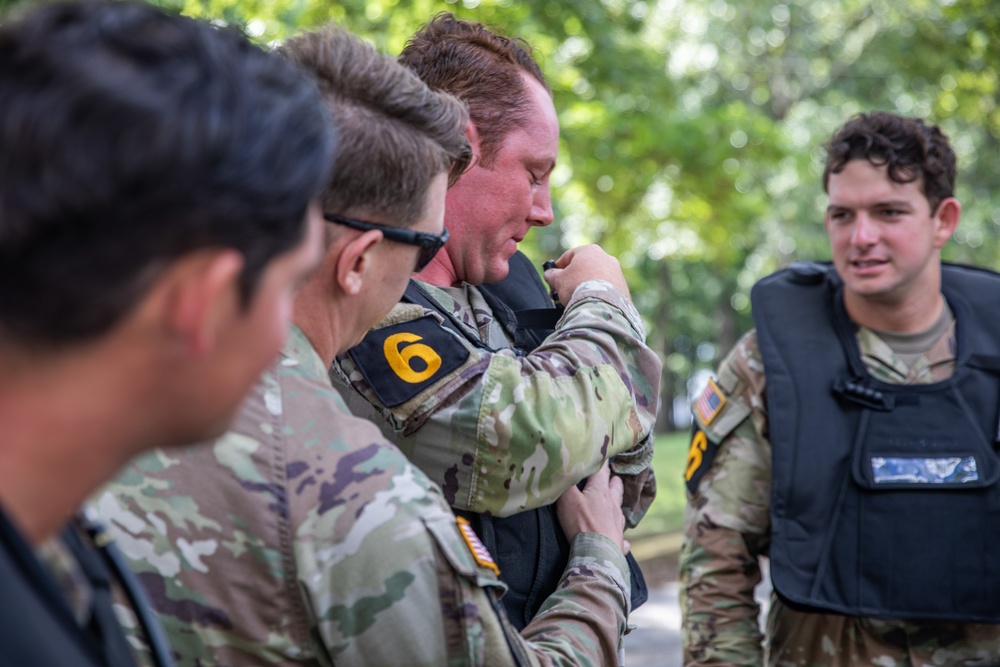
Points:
[429,244]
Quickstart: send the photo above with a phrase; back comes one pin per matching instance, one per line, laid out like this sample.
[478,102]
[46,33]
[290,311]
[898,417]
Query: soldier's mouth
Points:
[868,263]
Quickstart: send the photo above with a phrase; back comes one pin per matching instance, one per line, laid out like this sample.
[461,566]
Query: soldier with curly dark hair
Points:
[851,437]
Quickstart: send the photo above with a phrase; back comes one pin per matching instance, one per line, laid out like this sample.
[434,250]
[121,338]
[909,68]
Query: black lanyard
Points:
[116,566]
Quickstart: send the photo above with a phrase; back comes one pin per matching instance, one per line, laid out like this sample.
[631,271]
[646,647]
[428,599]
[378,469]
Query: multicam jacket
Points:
[502,433]
[303,537]
[728,528]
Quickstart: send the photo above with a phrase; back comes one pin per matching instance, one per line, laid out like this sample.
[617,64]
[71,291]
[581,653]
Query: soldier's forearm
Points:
[583,621]
[709,642]
[719,613]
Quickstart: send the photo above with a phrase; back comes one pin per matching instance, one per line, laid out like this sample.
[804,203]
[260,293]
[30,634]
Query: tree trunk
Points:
[661,341]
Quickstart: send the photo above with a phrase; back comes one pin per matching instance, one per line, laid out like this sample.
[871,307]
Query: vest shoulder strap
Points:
[38,623]
[523,299]
[417,295]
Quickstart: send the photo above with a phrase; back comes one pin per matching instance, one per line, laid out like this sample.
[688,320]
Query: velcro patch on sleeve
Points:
[710,402]
[701,454]
[401,360]
[479,551]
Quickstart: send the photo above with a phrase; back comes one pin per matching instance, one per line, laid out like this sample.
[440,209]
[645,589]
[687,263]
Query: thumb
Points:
[601,478]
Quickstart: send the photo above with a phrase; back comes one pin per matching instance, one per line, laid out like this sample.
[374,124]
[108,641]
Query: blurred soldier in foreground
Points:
[852,436]
[505,427]
[157,178]
[303,536]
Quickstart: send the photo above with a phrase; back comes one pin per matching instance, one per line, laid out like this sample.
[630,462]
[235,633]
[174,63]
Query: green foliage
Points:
[692,131]
[666,514]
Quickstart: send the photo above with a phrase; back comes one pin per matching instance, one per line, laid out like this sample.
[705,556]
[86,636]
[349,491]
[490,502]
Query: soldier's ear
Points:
[472,134]
[946,220]
[199,293]
[356,260]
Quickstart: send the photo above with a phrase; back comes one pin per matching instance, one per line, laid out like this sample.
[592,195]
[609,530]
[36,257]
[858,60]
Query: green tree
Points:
[692,131]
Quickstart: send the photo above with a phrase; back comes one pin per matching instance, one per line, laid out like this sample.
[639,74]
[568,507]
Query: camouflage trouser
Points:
[796,639]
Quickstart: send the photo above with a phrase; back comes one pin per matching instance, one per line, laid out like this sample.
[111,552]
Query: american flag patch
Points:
[479,552]
[710,402]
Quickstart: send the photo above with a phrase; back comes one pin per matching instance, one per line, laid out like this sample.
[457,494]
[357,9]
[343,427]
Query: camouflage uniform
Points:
[728,528]
[502,433]
[303,537]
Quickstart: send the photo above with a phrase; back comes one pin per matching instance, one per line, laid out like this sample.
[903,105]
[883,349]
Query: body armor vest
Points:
[529,547]
[885,500]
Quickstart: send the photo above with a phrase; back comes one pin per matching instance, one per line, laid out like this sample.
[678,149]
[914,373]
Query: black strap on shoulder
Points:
[38,625]
[417,295]
[523,299]
[103,624]
[519,303]
[156,638]
[538,318]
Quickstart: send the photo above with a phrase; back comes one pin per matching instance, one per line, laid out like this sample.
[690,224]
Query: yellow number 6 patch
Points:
[399,358]
[701,455]
[699,443]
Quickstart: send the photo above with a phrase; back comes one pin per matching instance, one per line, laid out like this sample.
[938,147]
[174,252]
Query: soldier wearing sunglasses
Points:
[429,244]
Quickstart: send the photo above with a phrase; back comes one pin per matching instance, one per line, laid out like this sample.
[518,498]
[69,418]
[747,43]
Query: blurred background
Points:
[691,149]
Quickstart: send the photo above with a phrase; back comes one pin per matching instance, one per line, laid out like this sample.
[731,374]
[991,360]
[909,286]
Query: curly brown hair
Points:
[909,148]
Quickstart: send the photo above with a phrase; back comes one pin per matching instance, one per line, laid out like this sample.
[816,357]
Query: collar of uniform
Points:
[886,365]
[879,357]
[467,305]
[298,351]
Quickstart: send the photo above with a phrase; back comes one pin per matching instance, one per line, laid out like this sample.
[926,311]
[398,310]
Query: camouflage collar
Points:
[299,351]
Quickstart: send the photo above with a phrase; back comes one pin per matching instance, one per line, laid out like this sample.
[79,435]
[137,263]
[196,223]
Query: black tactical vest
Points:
[884,499]
[529,547]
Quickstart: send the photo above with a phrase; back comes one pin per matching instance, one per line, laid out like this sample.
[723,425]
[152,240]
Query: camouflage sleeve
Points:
[405,569]
[372,575]
[726,520]
[581,624]
[502,433]
[303,536]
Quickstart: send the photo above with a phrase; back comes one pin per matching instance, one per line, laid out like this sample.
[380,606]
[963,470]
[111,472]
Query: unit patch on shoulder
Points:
[479,552]
[710,402]
[701,454]
[402,360]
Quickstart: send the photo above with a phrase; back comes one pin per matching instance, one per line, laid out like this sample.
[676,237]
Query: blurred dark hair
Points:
[480,67]
[909,148]
[130,137]
[396,134]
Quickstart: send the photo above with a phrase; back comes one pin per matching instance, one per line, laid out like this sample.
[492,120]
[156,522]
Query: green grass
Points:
[666,514]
